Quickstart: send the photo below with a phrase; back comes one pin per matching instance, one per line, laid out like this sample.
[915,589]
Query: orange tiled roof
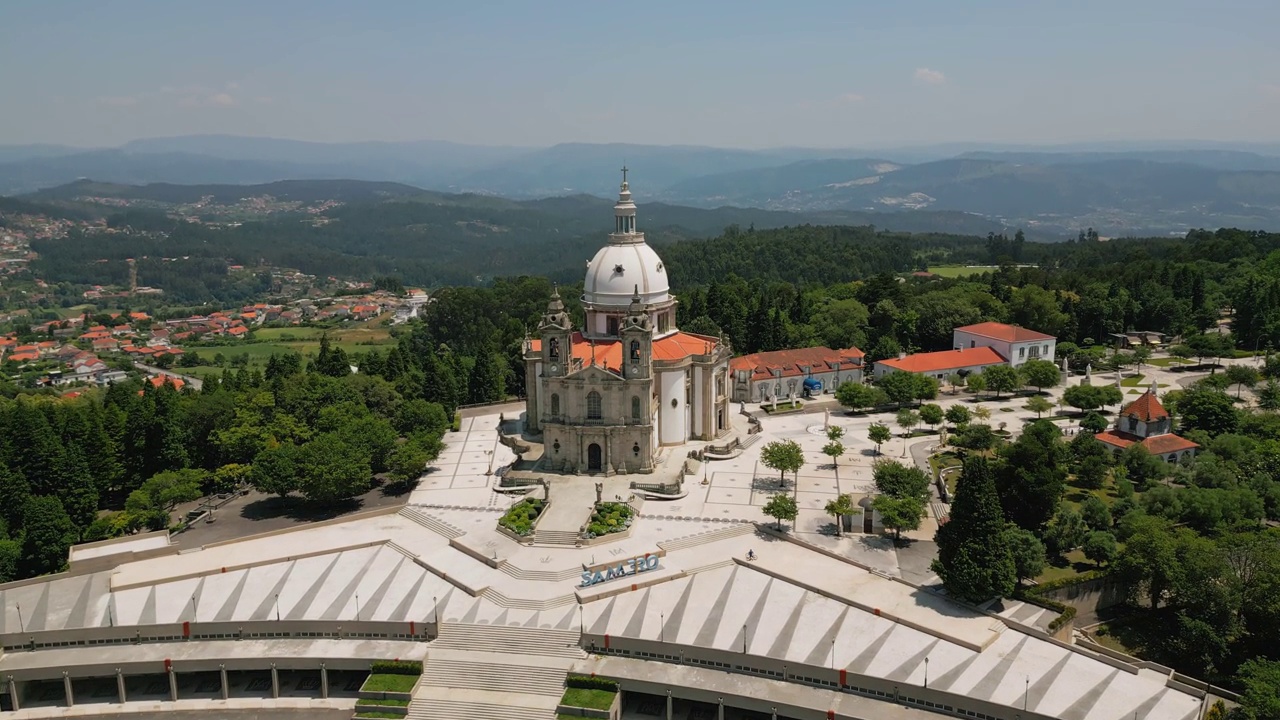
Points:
[608,353]
[1146,408]
[945,360]
[24,356]
[818,359]
[159,380]
[1156,444]
[1007,333]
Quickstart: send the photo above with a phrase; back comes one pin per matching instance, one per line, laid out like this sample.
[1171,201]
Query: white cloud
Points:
[930,77]
[221,100]
[851,98]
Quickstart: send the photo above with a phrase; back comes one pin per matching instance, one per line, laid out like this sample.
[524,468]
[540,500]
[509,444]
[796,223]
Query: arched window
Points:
[635,407]
[635,349]
[555,404]
[593,406]
[553,349]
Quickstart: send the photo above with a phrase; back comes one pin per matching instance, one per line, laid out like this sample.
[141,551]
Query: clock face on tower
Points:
[635,370]
[553,367]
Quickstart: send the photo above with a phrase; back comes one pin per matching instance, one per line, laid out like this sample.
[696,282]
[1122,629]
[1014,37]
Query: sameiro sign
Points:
[622,568]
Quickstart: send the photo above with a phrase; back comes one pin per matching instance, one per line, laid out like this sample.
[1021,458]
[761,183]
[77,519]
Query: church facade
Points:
[605,397]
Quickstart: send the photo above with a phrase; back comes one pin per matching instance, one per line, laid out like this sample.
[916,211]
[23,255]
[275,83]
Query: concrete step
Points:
[428,709]
[495,676]
[497,598]
[431,522]
[505,640]
[516,571]
[708,536]
[556,537]
[749,441]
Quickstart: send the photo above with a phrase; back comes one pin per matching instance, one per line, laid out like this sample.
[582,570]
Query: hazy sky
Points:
[844,73]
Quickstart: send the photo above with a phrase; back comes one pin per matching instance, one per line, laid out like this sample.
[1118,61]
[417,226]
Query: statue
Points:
[826,418]
[599,492]
[1088,375]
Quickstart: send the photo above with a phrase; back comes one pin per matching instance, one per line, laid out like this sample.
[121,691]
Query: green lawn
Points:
[381,682]
[955,271]
[1137,381]
[1168,362]
[594,699]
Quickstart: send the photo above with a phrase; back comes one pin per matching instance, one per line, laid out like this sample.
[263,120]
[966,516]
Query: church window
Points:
[635,407]
[662,322]
[555,404]
[553,349]
[612,326]
[593,406]
[635,349]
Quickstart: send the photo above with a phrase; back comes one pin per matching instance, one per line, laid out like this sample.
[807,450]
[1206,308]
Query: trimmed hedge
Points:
[590,682]
[1066,613]
[520,517]
[396,667]
[609,517]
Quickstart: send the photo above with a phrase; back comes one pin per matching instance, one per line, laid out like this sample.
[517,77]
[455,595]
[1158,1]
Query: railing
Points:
[572,420]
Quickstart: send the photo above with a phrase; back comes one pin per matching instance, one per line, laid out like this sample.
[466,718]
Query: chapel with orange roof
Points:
[605,397]
[1146,422]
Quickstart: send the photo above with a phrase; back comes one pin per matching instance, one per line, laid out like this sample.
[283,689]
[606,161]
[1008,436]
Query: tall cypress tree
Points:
[485,382]
[973,560]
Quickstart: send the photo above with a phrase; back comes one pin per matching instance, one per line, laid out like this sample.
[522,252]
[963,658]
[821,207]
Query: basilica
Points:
[605,397]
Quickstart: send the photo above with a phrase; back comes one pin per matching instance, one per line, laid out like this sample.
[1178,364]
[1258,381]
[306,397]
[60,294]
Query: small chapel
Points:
[1145,421]
[607,396]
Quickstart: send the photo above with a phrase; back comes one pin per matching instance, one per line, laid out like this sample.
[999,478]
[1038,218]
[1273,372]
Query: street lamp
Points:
[926,672]
[662,627]
[580,622]
[277,607]
[357,607]
[435,610]
[1027,691]
[744,639]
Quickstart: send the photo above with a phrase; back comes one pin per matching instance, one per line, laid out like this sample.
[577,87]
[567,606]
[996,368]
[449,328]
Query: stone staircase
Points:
[751,440]
[561,538]
[941,511]
[497,598]
[494,672]
[431,522]
[518,572]
[709,536]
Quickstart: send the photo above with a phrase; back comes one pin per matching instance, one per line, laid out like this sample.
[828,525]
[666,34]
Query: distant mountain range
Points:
[1051,192]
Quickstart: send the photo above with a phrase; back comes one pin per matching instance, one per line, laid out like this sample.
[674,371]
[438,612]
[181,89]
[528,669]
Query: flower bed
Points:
[609,517]
[522,516]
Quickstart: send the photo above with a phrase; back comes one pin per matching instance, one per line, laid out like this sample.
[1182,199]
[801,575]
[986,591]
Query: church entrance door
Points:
[594,460]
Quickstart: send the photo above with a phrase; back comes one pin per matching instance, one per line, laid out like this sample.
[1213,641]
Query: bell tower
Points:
[556,331]
[637,340]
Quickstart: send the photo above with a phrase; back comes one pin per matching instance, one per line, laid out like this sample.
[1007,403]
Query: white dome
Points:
[618,269]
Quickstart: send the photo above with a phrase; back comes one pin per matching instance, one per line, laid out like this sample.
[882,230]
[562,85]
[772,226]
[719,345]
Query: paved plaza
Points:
[834,623]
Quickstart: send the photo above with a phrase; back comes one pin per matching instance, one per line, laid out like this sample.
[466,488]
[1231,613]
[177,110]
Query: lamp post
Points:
[22,626]
[435,610]
[1027,691]
[744,639]
[581,626]
[277,607]
[926,672]
[662,628]
[357,607]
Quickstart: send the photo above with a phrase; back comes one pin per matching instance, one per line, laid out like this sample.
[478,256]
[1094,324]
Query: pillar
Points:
[324,682]
[226,689]
[66,688]
[120,686]
[173,684]
[13,694]
[275,682]
[669,705]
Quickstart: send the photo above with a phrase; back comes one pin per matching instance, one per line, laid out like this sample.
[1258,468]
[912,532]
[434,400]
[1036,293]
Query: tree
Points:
[899,513]
[1038,405]
[1242,376]
[275,470]
[879,434]
[1100,547]
[1031,476]
[1203,408]
[974,436]
[900,387]
[1066,532]
[1094,512]
[409,459]
[1091,397]
[833,449]
[331,469]
[976,383]
[48,534]
[1093,422]
[1000,378]
[484,384]
[781,507]
[1261,681]
[839,508]
[1040,373]
[907,419]
[931,414]
[973,560]
[1141,468]
[954,380]
[958,415]
[856,396]
[1091,472]
[783,456]
[1027,551]
[1269,395]
[331,361]
[418,415]
[894,479]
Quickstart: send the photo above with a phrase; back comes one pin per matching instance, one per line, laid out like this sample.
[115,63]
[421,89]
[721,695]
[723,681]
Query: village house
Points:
[784,373]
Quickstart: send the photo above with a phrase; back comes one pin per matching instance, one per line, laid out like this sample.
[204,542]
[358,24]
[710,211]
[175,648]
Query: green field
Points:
[304,341]
[955,271]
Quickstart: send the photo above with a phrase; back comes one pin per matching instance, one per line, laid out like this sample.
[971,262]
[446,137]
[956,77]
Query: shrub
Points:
[396,667]
[591,682]
[609,517]
[520,517]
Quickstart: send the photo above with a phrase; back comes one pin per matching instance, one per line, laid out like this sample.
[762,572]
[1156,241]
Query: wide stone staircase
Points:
[431,522]
[562,538]
[708,536]
[494,672]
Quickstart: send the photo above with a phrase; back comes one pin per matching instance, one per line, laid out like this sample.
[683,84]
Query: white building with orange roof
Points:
[1015,344]
[1146,422]
[605,397]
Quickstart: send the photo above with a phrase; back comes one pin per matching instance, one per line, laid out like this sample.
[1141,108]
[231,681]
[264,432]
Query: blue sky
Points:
[845,73]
